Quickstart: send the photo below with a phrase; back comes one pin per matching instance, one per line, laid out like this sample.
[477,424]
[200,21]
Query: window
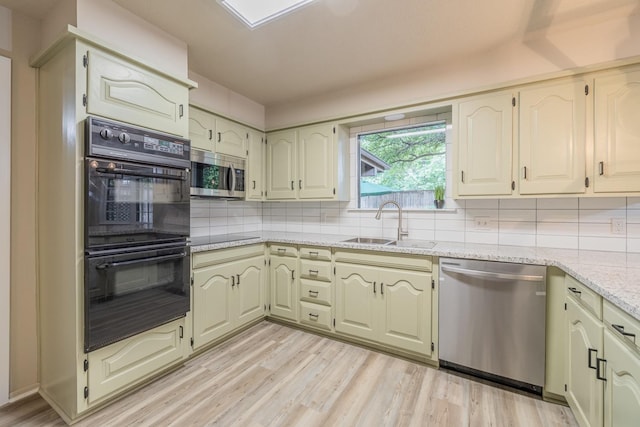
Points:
[405,165]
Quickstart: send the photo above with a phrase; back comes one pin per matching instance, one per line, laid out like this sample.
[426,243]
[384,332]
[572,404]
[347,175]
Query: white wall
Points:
[530,54]
[5,223]
[133,35]
[216,98]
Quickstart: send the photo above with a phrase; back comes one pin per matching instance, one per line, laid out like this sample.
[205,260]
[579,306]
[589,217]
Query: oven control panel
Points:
[116,140]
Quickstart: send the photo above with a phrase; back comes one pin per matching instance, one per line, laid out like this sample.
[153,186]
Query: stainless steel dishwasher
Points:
[492,321]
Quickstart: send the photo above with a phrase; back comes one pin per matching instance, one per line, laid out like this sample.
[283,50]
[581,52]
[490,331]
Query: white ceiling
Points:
[332,44]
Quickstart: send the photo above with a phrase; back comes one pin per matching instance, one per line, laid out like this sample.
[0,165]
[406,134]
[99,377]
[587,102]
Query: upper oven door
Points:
[129,204]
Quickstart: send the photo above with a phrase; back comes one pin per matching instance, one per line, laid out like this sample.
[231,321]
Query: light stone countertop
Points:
[614,275]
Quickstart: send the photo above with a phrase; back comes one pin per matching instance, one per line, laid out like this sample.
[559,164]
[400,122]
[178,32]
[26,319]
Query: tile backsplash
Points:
[572,223]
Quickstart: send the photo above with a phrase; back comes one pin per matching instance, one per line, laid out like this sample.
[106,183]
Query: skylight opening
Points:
[257,12]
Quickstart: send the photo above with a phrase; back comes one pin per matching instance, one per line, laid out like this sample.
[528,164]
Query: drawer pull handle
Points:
[313,272]
[598,370]
[313,293]
[314,316]
[281,250]
[314,253]
[590,351]
[575,291]
[621,330]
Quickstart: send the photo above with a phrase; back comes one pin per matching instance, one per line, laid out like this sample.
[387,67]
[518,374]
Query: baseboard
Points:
[23,393]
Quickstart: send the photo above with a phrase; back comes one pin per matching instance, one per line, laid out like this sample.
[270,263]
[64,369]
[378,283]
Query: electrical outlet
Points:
[481,222]
[618,226]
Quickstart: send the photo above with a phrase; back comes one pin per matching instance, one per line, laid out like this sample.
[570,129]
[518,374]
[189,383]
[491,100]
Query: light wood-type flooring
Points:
[273,375]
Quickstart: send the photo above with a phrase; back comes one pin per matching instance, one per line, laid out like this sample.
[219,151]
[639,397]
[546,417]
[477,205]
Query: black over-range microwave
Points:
[217,175]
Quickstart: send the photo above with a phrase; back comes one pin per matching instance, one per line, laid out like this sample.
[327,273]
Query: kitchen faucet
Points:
[391,202]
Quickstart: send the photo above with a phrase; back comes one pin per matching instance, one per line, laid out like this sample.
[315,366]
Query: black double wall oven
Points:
[137,184]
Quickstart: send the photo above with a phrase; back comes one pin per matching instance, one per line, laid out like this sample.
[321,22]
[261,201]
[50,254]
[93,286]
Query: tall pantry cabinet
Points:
[76,78]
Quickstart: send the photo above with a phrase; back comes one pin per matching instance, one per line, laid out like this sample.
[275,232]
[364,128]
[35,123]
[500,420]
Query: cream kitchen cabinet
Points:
[282,165]
[485,145]
[381,302]
[216,134]
[228,291]
[617,131]
[231,138]
[255,177]
[316,288]
[283,282]
[602,360]
[120,90]
[552,140]
[201,128]
[308,163]
[119,366]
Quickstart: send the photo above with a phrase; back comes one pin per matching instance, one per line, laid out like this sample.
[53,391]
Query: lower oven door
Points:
[131,292]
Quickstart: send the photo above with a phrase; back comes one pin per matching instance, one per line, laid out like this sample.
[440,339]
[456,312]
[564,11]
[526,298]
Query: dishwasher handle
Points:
[492,274]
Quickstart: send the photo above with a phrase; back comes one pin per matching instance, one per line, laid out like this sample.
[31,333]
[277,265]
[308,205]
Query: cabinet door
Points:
[284,295]
[281,165]
[485,135]
[122,91]
[249,290]
[617,132]
[357,291]
[584,344]
[406,310]
[255,166]
[201,129]
[127,362]
[231,138]
[212,316]
[552,138]
[316,162]
[622,388]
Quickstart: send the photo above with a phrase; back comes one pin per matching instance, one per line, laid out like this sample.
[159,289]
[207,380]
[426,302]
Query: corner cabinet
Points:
[617,131]
[602,360]
[228,291]
[308,163]
[385,299]
[120,90]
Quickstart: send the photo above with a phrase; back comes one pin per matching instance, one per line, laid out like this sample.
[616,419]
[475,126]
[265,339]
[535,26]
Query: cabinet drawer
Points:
[314,291]
[283,250]
[315,270]
[380,259]
[588,298]
[320,254]
[221,256]
[315,315]
[621,322]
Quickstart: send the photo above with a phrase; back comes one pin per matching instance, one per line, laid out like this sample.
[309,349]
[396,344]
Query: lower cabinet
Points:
[128,362]
[228,294]
[283,286]
[602,360]
[390,306]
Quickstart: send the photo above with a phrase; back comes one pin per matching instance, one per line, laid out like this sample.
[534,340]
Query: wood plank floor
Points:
[272,375]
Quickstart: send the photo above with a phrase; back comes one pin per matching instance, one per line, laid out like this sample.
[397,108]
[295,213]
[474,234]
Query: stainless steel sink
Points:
[371,241]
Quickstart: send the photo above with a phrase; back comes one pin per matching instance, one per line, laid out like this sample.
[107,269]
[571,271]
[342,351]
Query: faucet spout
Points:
[401,232]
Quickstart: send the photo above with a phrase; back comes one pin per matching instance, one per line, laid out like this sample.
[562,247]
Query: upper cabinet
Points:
[308,163]
[120,90]
[526,142]
[255,177]
[617,131]
[552,138]
[485,129]
[212,133]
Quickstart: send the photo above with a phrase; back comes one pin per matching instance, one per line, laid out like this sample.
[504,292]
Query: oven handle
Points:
[142,174]
[141,260]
